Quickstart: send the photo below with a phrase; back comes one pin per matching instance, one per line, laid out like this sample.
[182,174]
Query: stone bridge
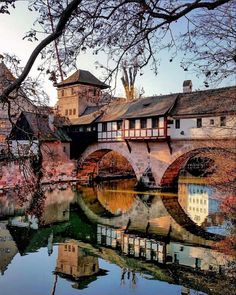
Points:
[163,159]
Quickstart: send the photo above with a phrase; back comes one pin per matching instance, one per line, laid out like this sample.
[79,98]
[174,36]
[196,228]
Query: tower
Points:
[78,92]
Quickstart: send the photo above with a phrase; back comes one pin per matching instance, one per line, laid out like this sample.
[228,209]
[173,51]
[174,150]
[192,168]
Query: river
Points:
[112,239]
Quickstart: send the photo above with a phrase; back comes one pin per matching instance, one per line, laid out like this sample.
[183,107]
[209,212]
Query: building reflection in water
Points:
[195,200]
[8,247]
[76,264]
[164,252]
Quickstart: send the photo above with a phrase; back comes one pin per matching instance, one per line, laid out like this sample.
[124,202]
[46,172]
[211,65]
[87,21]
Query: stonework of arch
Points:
[170,175]
[161,157]
[95,152]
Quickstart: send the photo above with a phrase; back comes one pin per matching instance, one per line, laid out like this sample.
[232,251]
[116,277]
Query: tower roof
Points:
[82,77]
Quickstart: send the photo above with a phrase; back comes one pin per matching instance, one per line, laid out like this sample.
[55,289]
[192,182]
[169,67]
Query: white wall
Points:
[188,128]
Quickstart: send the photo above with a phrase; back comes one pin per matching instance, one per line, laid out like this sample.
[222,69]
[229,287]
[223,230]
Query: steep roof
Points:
[36,126]
[83,77]
[150,106]
[207,102]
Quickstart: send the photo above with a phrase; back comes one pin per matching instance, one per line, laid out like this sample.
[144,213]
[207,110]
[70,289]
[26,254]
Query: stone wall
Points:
[56,166]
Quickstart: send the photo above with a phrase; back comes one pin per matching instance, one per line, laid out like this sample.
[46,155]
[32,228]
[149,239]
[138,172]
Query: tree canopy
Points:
[134,30]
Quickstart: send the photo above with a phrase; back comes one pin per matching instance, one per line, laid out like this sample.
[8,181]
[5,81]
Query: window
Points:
[81,129]
[62,92]
[212,122]
[132,124]
[104,127]
[72,90]
[74,111]
[143,123]
[70,112]
[199,122]
[119,125]
[155,122]
[222,121]
[94,91]
[66,112]
[177,123]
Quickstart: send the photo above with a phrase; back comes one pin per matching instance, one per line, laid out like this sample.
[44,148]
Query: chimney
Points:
[187,86]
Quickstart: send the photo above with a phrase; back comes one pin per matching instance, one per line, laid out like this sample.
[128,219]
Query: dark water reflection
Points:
[113,239]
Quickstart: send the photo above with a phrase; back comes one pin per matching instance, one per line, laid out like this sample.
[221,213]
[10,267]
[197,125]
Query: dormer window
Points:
[146,104]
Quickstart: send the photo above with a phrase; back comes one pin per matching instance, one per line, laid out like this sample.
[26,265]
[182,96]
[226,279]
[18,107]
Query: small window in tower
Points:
[72,90]
[212,122]
[199,122]
[94,91]
[222,121]
[62,92]
[74,111]
[70,112]
[66,112]
[177,123]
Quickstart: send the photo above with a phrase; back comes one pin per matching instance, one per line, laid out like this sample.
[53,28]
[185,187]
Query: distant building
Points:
[194,199]
[34,130]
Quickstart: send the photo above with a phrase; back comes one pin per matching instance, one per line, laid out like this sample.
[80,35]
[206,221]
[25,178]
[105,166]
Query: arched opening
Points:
[204,180]
[104,164]
[214,163]
[114,165]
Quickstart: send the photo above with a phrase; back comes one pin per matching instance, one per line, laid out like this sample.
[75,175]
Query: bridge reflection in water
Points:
[157,234]
[156,228]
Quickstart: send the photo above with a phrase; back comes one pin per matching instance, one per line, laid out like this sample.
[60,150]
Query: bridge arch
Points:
[89,159]
[163,159]
[179,161]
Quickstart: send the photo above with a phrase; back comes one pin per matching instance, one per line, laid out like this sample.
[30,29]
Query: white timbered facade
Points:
[145,128]
[110,131]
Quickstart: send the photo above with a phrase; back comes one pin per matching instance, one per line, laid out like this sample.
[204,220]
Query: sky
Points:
[169,79]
